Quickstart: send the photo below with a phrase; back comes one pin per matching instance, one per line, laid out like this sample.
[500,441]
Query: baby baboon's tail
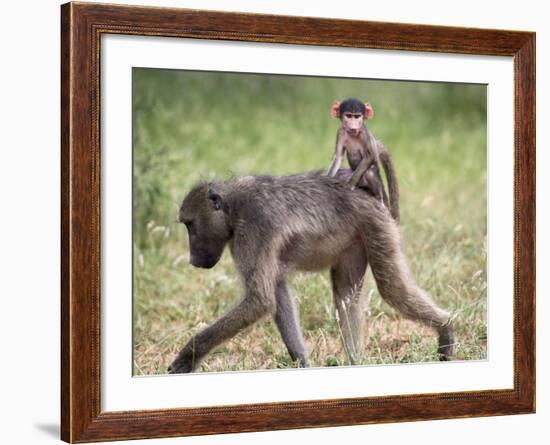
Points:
[393,189]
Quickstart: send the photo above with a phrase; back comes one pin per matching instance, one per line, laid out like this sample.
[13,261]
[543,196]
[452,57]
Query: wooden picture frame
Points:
[82,26]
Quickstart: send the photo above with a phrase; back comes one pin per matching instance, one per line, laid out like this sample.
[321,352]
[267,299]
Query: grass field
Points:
[190,126]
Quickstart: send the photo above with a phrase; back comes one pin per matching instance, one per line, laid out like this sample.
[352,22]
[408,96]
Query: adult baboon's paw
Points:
[446,342]
[184,363]
[180,367]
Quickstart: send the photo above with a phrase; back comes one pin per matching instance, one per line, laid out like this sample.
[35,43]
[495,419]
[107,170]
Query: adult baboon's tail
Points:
[393,189]
[396,282]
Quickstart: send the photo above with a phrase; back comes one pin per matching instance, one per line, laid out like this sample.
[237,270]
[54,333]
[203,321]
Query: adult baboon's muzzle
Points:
[204,261]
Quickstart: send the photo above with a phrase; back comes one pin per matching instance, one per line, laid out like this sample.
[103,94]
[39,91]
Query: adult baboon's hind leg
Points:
[396,282]
[288,323]
[347,279]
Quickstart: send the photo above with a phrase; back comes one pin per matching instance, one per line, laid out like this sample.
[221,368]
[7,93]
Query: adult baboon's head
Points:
[204,213]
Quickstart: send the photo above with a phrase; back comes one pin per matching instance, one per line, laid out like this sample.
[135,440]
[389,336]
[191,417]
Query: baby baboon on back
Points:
[274,225]
[364,153]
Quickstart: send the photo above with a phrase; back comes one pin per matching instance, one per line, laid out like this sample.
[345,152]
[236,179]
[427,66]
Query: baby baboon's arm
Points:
[363,166]
[338,155]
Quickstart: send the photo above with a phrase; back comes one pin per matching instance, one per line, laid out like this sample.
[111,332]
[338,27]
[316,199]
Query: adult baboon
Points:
[275,225]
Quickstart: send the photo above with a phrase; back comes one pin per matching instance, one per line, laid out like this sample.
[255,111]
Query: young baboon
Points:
[275,225]
[364,152]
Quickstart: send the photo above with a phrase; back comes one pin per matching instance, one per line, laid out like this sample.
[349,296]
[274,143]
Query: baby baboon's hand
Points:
[351,185]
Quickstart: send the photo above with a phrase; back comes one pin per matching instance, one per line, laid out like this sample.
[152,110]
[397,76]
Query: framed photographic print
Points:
[275,222]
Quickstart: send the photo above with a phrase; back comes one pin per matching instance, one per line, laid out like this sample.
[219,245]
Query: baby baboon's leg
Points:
[347,279]
[288,323]
[396,282]
[376,185]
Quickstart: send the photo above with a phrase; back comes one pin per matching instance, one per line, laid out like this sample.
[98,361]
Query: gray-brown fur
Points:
[274,225]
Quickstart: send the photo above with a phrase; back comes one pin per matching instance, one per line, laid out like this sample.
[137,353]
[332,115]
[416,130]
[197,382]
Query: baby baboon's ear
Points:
[369,111]
[215,200]
[335,110]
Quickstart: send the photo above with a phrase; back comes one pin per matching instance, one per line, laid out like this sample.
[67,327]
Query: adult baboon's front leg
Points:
[248,311]
[288,323]
[347,279]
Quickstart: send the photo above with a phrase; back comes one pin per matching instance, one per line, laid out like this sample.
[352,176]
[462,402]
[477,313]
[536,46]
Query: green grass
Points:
[190,126]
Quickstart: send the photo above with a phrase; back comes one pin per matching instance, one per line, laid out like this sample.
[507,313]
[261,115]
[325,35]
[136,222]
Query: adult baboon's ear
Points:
[215,200]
